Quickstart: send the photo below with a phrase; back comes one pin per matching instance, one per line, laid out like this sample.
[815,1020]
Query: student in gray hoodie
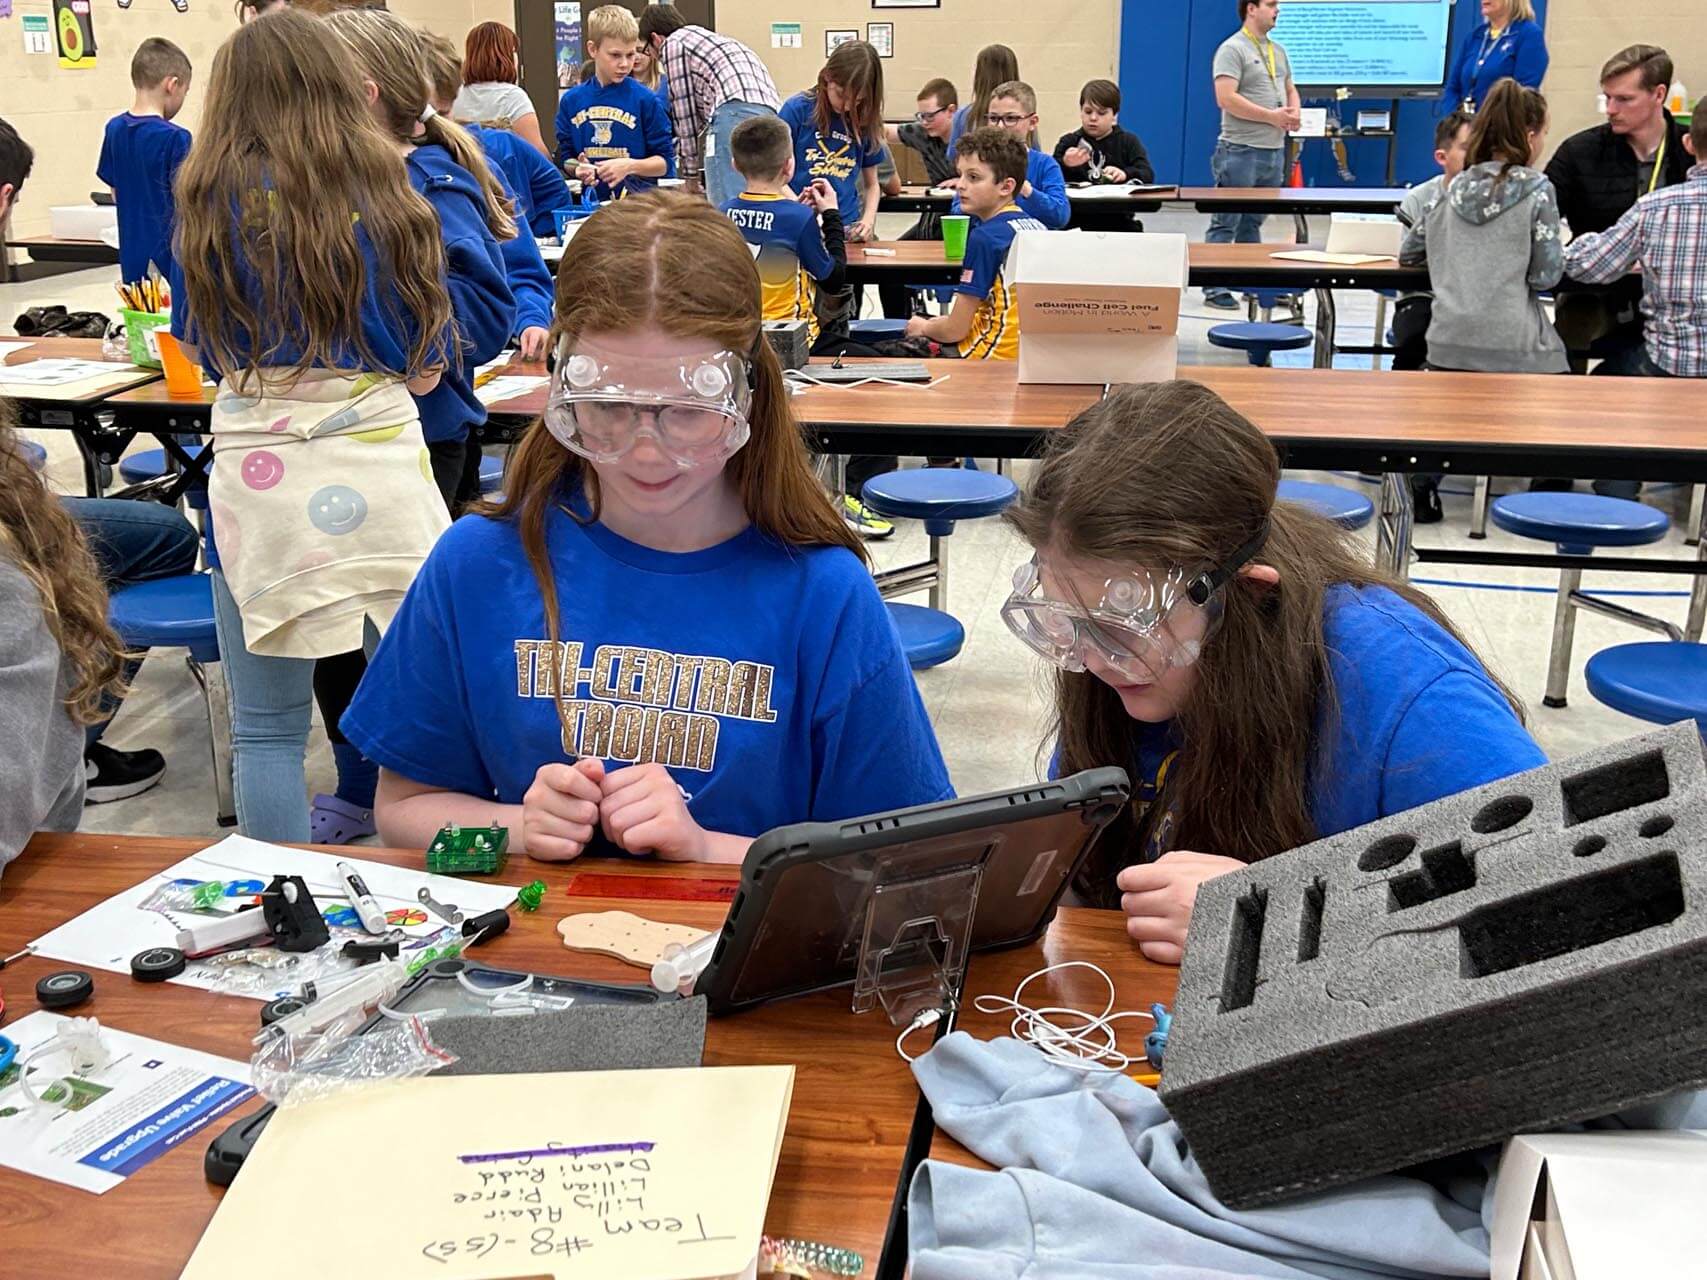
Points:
[1492,245]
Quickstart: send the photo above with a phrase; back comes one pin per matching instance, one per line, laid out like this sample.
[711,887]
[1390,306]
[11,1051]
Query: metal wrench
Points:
[445,911]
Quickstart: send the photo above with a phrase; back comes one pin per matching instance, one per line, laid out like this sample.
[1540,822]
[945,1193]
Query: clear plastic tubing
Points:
[680,966]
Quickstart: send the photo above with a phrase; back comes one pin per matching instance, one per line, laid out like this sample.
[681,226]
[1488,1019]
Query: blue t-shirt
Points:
[615,122]
[839,157]
[140,156]
[533,179]
[387,329]
[768,679]
[791,255]
[1417,719]
[1048,199]
[481,300]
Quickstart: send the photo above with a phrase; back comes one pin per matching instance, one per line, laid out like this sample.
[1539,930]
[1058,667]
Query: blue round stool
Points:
[1258,340]
[939,496]
[877,329]
[491,473]
[34,454]
[1345,507]
[1660,681]
[1577,523]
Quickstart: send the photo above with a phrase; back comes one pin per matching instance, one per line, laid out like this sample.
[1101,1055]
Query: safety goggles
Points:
[694,409]
[1141,626]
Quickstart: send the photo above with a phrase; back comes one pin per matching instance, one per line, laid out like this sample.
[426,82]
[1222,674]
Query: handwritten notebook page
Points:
[647,1175]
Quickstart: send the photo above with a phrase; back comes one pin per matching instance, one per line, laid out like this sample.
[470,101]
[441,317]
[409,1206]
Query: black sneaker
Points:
[118,775]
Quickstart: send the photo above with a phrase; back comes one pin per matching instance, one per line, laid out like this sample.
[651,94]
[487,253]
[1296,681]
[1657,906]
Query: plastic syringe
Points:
[679,967]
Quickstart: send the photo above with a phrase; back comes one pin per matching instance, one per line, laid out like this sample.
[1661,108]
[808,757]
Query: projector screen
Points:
[1382,48]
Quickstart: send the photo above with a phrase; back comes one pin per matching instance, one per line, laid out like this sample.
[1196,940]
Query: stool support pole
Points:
[939,586]
[1564,631]
[1692,532]
[1479,507]
[1393,525]
[1698,590]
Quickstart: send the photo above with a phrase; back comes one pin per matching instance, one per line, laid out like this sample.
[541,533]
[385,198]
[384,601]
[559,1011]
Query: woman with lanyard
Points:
[1507,42]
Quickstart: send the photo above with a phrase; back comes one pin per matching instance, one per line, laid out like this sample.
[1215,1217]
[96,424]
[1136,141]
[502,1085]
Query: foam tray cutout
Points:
[1514,958]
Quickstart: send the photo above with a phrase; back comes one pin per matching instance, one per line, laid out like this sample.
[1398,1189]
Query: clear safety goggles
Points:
[1142,626]
[693,409]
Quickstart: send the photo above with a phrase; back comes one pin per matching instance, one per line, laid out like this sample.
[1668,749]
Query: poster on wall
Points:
[570,54]
[881,36]
[74,33]
[832,39]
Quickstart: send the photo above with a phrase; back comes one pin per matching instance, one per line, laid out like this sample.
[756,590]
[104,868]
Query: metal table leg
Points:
[1393,525]
[1479,508]
[1325,321]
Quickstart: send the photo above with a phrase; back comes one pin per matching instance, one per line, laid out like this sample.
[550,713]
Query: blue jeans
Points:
[722,183]
[271,700]
[133,541]
[1237,165]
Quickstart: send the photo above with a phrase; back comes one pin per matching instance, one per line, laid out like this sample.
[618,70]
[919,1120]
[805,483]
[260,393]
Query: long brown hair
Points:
[390,54]
[1168,474]
[1502,127]
[996,65]
[490,53]
[856,67]
[671,260]
[288,148]
[39,536]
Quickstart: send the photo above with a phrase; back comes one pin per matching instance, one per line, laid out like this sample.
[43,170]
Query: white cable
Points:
[929,1018]
[1070,1038]
[799,377]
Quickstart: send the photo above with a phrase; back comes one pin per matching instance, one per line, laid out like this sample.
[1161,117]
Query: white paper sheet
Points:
[107,935]
[507,388]
[102,1126]
[57,371]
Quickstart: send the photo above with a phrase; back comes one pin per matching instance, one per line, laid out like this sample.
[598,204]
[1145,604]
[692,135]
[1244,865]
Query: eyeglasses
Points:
[925,117]
[1142,626]
[694,410]
[1005,122]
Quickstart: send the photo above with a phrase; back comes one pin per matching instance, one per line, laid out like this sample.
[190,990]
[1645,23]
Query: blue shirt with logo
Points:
[614,122]
[838,156]
[767,678]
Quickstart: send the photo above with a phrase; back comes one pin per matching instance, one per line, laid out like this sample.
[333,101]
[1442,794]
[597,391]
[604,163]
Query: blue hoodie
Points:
[532,177]
[530,279]
[481,302]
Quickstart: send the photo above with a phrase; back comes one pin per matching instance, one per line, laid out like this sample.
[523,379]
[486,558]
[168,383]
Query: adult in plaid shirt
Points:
[715,83]
[1666,232]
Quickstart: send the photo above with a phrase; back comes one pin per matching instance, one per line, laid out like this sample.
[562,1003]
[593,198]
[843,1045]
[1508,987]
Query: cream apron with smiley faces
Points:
[323,507]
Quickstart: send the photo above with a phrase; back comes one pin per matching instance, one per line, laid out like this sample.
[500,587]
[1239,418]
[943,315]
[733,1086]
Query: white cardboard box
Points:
[1608,1205]
[1377,233]
[1098,306]
[81,221]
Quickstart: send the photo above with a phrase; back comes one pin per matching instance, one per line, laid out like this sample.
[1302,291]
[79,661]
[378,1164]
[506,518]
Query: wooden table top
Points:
[1256,261]
[1289,199]
[1519,410]
[854,1099]
[124,375]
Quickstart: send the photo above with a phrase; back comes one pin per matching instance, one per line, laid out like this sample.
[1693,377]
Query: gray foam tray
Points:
[1517,957]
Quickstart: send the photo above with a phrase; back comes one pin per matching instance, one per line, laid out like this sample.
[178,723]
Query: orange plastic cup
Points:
[183,376]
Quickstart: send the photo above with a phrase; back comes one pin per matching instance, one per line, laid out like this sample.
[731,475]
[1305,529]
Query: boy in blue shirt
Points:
[795,256]
[983,324]
[610,129]
[1042,192]
[141,153]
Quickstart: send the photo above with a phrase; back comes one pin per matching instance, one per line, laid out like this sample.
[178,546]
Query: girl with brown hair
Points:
[663,638]
[491,96]
[1237,655]
[997,64]
[310,278]
[838,133]
[58,657]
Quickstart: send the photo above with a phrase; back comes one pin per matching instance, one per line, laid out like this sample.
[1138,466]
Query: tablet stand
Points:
[912,954]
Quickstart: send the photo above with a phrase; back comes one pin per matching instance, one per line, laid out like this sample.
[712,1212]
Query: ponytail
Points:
[500,209]
[1503,125]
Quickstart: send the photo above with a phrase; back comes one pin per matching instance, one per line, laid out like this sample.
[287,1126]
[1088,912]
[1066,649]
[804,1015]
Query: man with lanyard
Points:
[715,83]
[1600,173]
[1259,107]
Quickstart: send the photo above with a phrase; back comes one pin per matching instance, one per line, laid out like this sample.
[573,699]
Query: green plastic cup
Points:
[954,229]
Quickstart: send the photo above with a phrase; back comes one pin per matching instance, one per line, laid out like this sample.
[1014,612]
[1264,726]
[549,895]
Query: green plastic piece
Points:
[469,851]
[529,896]
[207,894]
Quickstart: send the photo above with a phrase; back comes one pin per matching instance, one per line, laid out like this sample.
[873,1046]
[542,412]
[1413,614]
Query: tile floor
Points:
[988,705]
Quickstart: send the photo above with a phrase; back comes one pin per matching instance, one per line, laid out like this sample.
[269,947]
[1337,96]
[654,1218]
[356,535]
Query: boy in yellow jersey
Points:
[983,324]
[796,256]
